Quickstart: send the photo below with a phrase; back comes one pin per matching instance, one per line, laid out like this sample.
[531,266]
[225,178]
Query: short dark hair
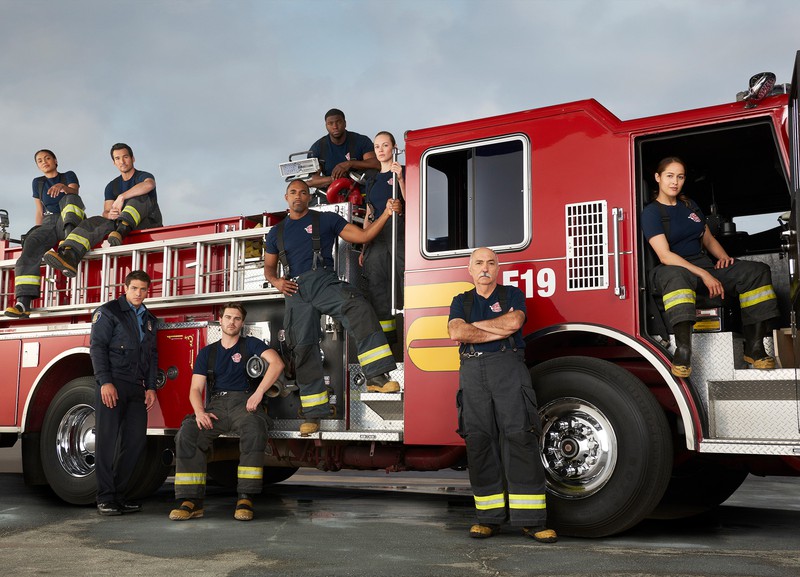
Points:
[291,182]
[233,305]
[334,112]
[139,275]
[120,146]
[50,152]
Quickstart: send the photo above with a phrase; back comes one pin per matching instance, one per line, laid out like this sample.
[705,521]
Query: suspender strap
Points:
[315,240]
[43,180]
[212,363]
[316,244]
[282,248]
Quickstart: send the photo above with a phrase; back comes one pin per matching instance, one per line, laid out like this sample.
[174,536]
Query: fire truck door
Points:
[10,349]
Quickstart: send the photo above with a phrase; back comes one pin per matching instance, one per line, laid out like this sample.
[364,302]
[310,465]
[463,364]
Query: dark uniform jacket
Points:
[117,354]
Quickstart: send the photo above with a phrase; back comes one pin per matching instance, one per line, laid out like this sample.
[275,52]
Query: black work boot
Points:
[682,359]
[754,352]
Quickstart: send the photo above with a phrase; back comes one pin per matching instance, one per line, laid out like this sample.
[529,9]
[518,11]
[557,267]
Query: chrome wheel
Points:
[75,441]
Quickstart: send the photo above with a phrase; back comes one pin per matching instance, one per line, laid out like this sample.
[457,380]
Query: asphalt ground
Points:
[373,524]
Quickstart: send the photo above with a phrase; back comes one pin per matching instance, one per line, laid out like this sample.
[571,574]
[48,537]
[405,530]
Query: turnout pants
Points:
[125,424]
[54,227]
[378,272]
[501,426]
[193,446]
[93,230]
[321,292]
[750,280]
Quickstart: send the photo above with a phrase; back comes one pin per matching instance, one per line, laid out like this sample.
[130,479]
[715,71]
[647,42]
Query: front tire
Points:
[607,447]
[67,442]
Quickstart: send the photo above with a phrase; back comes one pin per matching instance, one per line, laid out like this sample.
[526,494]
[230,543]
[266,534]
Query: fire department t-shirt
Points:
[298,243]
[686,226]
[337,153]
[489,308]
[229,372]
[381,191]
[118,185]
[51,202]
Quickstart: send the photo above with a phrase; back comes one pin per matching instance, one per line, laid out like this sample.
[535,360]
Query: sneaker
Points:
[382,384]
[244,509]
[483,530]
[310,427]
[188,509]
[18,311]
[540,534]
[62,261]
[115,239]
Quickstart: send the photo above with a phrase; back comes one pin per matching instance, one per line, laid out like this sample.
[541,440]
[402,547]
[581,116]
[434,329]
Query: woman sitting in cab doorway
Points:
[676,230]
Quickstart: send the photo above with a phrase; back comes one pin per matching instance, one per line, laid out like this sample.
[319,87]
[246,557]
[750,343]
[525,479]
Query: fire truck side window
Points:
[474,196]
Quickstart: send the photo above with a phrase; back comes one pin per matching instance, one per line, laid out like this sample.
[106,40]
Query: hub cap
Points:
[75,441]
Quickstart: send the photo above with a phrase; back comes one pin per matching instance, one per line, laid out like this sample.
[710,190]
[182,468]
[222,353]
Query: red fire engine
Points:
[556,192]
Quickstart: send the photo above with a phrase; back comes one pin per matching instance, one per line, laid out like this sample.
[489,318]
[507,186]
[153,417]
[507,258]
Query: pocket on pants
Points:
[460,410]
[529,398]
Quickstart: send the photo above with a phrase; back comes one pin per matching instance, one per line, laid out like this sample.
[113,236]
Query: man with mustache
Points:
[497,405]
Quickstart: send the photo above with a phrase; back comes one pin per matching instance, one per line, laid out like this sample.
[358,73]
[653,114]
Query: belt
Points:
[223,393]
[471,355]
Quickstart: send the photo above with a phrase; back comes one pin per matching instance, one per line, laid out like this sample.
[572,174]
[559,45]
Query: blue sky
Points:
[212,95]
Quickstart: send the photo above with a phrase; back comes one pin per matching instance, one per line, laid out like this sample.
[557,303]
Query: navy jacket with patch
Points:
[117,354]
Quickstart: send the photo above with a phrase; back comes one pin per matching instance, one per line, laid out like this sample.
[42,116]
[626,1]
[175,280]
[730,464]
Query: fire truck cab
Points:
[557,193]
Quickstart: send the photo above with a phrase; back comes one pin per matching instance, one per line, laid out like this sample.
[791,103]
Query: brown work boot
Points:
[188,509]
[18,311]
[754,352]
[64,260]
[310,427]
[483,530]
[540,534]
[682,359]
[244,508]
[382,384]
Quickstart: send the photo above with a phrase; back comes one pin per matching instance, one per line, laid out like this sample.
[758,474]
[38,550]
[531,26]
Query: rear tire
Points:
[607,446]
[152,470]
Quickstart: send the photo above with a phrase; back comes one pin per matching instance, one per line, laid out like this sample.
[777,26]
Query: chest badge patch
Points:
[496,308]
[237,358]
[308,229]
[694,217]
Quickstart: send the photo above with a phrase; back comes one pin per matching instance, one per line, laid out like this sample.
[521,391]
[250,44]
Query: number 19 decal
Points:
[545,281]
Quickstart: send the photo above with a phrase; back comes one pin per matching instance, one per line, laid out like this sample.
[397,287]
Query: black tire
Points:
[152,470]
[225,473]
[67,442]
[607,446]
[699,484]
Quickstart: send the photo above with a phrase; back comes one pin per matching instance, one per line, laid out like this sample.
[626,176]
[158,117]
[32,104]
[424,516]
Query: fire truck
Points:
[557,193]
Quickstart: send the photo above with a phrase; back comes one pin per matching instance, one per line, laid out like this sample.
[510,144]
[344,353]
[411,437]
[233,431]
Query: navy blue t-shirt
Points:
[229,374]
[51,202]
[298,244]
[489,308]
[337,153]
[381,191]
[118,185]
[686,227]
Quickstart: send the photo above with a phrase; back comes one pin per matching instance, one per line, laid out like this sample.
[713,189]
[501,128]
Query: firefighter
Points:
[59,210]
[496,404]
[131,202]
[125,361]
[303,242]
[377,255]
[233,405]
[340,151]
[677,231]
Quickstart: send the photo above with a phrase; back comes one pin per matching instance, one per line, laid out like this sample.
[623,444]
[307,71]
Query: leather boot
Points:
[682,359]
[754,352]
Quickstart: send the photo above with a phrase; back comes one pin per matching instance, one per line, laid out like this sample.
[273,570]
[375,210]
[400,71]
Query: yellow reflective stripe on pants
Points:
[678,297]
[526,501]
[375,354]
[71,208]
[82,240]
[314,400]
[137,218]
[389,326]
[755,296]
[250,472]
[28,279]
[487,502]
[190,478]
